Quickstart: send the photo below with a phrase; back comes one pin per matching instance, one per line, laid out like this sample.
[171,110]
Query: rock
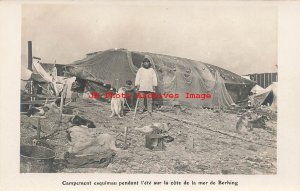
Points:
[156,168]
[252,148]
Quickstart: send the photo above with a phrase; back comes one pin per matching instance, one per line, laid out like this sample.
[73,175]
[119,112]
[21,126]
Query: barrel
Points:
[36,159]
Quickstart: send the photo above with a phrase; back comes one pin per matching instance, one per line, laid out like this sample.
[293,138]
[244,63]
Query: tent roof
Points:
[175,74]
[272,87]
[257,89]
[164,60]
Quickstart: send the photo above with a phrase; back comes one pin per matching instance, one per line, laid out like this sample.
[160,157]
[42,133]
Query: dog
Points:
[80,121]
[37,111]
[248,122]
[259,122]
[243,122]
[117,103]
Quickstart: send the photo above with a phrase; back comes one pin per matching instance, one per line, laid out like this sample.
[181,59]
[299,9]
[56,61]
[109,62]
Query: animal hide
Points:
[83,142]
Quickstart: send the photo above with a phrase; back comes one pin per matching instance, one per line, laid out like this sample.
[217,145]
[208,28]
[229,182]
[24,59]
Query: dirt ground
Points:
[211,153]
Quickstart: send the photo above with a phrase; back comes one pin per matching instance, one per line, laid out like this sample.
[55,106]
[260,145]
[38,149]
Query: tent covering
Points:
[25,73]
[25,76]
[175,75]
[257,89]
[266,97]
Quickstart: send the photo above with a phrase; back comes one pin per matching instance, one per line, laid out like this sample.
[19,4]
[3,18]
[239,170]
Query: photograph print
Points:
[148,88]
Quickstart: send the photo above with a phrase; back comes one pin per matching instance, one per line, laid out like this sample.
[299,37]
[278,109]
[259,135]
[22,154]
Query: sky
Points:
[242,39]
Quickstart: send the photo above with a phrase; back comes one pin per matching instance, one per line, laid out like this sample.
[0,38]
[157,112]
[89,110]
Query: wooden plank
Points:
[264,77]
[43,96]
[33,102]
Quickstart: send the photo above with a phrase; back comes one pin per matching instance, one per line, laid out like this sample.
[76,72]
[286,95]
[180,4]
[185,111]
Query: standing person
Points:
[146,82]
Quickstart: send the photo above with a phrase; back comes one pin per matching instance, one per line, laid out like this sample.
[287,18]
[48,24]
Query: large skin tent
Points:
[175,75]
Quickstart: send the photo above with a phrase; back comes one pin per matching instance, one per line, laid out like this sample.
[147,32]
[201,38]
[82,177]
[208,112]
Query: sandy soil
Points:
[210,153]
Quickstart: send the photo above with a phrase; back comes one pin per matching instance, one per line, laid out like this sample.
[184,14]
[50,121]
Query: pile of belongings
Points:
[88,149]
[52,107]
[85,142]
[50,82]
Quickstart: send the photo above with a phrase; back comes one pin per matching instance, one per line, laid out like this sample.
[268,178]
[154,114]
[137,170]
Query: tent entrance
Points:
[269,99]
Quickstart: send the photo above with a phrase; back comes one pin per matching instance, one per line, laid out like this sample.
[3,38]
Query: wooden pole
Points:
[30,68]
[38,128]
[135,109]
[61,103]
[30,55]
[117,84]
[264,76]
[127,105]
[125,139]
[31,90]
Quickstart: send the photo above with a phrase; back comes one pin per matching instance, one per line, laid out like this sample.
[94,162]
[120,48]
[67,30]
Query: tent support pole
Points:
[61,104]
[30,55]
[135,109]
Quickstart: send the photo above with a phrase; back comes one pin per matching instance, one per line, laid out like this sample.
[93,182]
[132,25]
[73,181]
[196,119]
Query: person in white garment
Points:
[146,83]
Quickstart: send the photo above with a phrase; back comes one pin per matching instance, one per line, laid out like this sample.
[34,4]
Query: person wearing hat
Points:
[145,82]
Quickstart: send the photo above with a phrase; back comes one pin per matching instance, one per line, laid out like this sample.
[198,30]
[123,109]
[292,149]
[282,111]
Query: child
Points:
[130,89]
[146,82]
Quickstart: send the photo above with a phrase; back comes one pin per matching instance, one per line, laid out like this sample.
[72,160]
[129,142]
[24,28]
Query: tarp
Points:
[50,76]
[25,73]
[38,69]
[25,76]
[221,96]
[175,75]
[69,82]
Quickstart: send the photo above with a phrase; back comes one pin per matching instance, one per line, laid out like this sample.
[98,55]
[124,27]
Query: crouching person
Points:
[145,82]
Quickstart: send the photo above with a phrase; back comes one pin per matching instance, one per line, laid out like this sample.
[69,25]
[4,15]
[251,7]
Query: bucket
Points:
[36,159]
